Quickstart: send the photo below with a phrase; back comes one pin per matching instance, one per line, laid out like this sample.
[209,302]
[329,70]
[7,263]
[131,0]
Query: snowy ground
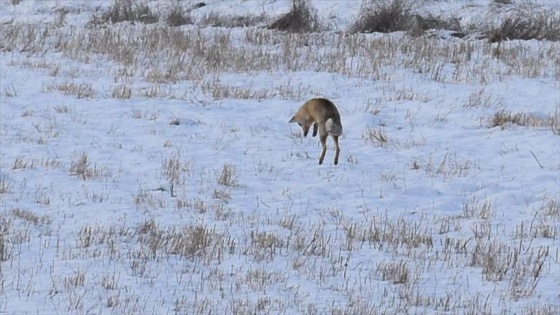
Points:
[148,169]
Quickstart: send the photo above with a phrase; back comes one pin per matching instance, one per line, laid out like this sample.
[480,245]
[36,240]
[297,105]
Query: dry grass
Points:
[474,208]
[310,250]
[30,217]
[302,18]
[396,15]
[219,20]
[376,136]
[122,92]
[228,176]
[81,90]
[82,169]
[384,17]
[3,249]
[126,11]
[527,24]
[396,272]
[551,207]
[197,56]
[504,120]
[178,17]
[5,186]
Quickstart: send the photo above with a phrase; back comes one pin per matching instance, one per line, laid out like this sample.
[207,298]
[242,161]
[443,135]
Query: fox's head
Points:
[303,122]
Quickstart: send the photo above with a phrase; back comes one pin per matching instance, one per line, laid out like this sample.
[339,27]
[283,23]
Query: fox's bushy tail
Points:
[334,128]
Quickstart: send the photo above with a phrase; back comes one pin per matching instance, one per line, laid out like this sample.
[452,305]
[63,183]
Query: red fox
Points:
[324,116]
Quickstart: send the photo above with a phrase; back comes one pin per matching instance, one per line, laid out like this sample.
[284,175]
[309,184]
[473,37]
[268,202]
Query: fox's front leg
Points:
[315,127]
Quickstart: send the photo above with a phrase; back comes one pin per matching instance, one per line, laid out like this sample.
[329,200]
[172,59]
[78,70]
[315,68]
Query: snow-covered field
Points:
[149,169]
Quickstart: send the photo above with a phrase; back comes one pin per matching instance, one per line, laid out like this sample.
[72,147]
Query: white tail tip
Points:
[333,128]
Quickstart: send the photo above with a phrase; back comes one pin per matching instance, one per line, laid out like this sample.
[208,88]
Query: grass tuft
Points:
[505,119]
[526,25]
[217,20]
[228,176]
[178,17]
[383,17]
[396,15]
[126,11]
[302,18]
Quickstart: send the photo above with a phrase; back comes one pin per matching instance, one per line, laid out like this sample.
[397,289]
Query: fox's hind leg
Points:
[315,127]
[323,137]
[337,149]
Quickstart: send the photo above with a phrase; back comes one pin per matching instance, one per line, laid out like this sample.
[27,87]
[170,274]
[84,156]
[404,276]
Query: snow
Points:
[153,225]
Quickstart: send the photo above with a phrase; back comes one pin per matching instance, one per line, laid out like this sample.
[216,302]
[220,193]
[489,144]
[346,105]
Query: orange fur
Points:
[324,116]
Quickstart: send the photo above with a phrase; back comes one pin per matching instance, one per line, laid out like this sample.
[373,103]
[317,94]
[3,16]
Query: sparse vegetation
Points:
[178,17]
[385,17]
[220,20]
[83,169]
[389,16]
[504,119]
[525,24]
[302,18]
[228,176]
[82,90]
[5,186]
[126,11]
[376,136]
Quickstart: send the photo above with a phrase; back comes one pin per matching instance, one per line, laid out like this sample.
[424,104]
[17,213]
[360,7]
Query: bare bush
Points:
[526,25]
[126,10]
[383,17]
[301,19]
[177,17]
[396,15]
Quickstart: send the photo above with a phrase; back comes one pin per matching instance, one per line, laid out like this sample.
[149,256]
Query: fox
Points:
[324,116]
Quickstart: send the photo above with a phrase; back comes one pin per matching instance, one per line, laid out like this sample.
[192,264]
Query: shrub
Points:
[396,15]
[127,10]
[384,17]
[526,25]
[301,19]
[178,17]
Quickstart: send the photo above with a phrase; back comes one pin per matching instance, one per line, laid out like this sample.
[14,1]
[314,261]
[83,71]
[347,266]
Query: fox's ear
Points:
[292,120]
